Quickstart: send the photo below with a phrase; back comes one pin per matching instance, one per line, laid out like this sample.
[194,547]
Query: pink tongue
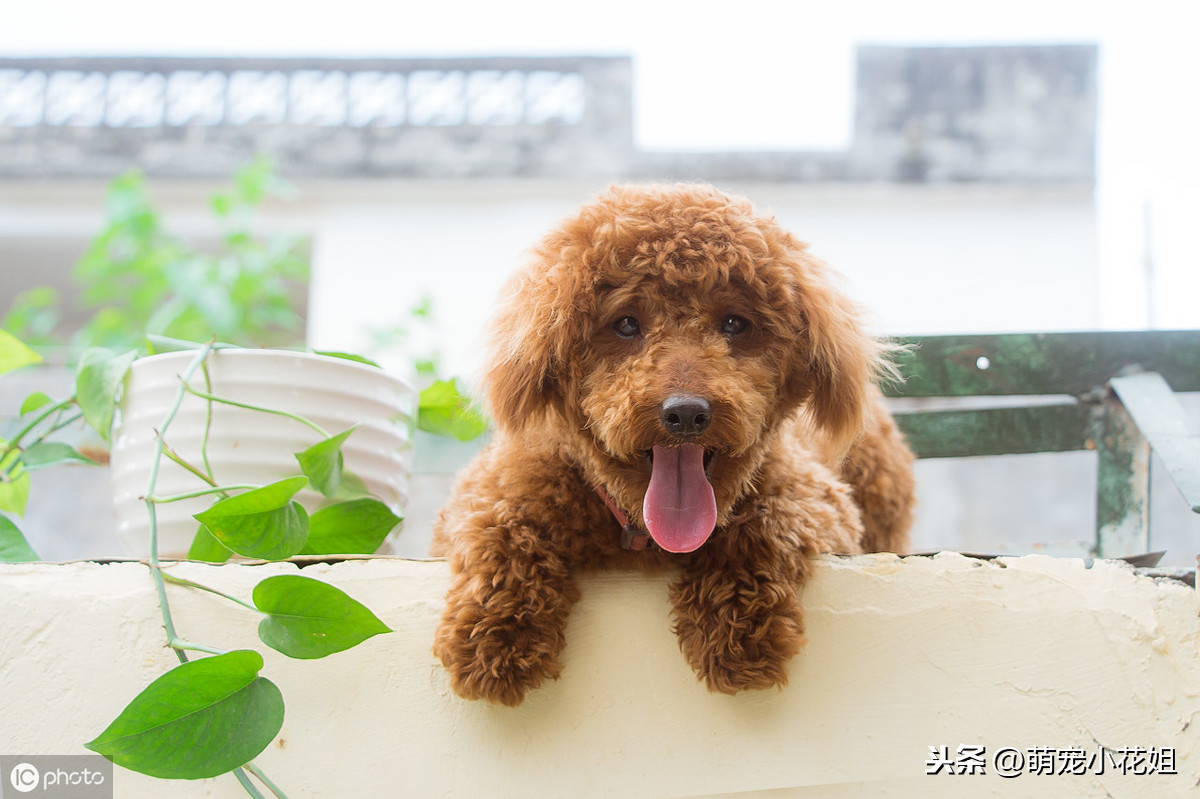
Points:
[680,508]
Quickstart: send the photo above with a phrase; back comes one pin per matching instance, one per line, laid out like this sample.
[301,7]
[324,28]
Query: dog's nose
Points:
[685,414]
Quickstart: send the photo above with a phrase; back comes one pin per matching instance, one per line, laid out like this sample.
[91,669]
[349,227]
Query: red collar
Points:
[632,536]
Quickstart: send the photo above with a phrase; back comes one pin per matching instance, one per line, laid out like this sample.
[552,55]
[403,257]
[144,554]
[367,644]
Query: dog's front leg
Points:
[736,606]
[503,629]
[738,622]
[505,617]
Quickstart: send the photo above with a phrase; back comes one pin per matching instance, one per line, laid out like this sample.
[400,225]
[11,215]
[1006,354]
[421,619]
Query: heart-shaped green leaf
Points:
[445,410]
[356,527]
[206,547]
[307,618]
[201,719]
[14,354]
[99,373]
[13,546]
[52,453]
[37,399]
[322,462]
[261,523]
[268,497]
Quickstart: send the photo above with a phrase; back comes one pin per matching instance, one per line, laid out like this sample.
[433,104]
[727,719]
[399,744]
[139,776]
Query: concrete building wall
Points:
[920,259]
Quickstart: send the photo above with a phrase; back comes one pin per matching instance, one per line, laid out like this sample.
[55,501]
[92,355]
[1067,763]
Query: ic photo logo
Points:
[56,777]
[24,777]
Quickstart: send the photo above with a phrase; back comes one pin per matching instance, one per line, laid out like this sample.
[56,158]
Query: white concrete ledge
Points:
[902,655]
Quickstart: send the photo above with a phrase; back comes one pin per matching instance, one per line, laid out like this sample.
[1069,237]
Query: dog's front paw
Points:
[496,656]
[738,631]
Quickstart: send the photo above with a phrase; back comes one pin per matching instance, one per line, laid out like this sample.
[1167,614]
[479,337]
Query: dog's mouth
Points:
[709,454]
[680,507]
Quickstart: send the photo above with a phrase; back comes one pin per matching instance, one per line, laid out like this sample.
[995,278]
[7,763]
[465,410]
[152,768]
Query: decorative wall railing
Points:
[337,116]
[151,95]
[934,114]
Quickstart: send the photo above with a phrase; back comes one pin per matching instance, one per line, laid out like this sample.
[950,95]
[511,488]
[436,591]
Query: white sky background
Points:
[746,74]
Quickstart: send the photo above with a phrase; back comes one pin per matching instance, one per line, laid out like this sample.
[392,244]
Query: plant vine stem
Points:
[182,645]
[14,445]
[10,463]
[180,581]
[207,425]
[160,585]
[59,425]
[177,644]
[247,784]
[257,772]
[174,456]
[6,470]
[200,492]
[41,417]
[294,416]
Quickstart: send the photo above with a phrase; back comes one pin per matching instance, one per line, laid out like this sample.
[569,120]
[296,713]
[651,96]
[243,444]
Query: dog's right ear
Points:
[542,311]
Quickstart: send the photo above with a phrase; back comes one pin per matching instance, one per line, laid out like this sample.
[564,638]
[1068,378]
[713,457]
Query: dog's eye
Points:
[626,327]
[733,325]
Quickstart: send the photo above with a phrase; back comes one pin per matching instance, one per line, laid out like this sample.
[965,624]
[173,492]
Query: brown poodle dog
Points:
[674,364]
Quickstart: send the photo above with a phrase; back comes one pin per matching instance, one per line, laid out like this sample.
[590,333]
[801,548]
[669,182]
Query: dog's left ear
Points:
[835,361]
[539,321]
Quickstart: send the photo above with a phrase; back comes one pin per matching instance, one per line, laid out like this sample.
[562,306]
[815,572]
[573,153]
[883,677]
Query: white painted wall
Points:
[902,655]
[920,259]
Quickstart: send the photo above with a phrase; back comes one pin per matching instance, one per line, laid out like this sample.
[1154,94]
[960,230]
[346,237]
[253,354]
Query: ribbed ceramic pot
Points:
[251,447]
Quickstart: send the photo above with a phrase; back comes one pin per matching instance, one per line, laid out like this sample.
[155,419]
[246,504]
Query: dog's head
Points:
[667,331]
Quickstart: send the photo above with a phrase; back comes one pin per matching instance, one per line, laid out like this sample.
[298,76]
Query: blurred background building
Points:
[964,201]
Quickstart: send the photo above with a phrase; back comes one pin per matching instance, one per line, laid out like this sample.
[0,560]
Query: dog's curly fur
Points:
[654,292]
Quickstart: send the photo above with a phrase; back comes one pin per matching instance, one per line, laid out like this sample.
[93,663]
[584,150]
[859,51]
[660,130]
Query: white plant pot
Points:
[251,447]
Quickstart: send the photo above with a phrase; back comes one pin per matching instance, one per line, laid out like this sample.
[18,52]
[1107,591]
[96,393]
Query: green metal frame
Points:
[1112,392]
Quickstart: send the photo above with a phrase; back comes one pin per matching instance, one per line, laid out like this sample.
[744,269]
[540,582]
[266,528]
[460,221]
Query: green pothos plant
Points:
[136,276]
[217,711]
[211,715]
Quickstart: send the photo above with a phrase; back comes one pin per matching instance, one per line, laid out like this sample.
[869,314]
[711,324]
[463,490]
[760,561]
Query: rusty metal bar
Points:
[1123,483]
